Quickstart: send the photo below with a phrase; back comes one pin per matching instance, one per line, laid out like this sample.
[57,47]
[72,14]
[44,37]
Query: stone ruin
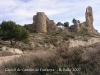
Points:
[89,17]
[87,24]
[41,24]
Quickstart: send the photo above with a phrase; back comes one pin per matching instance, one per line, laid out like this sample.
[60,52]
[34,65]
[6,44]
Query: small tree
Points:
[78,21]
[59,24]
[74,21]
[13,32]
[66,24]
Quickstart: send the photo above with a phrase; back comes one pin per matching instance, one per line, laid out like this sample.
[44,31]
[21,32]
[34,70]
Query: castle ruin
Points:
[42,24]
[87,24]
[89,17]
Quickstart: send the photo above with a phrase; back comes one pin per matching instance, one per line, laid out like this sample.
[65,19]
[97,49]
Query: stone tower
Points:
[40,22]
[89,17]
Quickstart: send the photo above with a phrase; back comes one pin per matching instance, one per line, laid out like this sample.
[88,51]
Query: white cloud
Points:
[22,11]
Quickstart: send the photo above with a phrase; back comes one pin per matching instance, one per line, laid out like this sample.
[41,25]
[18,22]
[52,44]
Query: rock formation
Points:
[41,24]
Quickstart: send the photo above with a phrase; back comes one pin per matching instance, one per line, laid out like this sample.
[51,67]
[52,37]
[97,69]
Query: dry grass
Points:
[62,57]
[40,59]
[5,53]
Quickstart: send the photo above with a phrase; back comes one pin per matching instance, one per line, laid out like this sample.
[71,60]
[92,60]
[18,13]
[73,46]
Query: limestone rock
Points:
[12,50]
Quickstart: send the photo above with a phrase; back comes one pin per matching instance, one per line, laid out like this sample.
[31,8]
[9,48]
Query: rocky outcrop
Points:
[77,43]
[41,24]
[12,50]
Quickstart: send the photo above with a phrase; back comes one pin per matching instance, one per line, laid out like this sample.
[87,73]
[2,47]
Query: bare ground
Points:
[8,58]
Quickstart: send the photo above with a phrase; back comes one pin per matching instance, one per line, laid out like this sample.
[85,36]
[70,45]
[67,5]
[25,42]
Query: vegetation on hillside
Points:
[75,21]
[10,31]
[57,62]
[65,24]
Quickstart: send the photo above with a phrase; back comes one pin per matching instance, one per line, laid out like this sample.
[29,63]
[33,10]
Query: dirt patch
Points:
[8,58]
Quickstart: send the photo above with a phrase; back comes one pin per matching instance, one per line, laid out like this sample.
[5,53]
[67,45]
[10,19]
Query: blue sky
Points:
[22,11]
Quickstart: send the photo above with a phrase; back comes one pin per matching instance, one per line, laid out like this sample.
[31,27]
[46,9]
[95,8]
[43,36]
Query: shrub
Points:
[38,60]
[0,46]
[72,55]
[26,41]
[12,32]
[51,40]
[66,38]
[63,57]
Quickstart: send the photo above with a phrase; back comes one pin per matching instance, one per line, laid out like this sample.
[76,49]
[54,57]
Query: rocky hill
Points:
[45,34]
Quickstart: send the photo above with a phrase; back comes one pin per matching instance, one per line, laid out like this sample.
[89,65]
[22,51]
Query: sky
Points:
[22,11]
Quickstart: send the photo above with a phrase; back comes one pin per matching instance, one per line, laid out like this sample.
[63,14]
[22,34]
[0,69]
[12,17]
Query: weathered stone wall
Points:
[75,28]
[89,17]
[51,26]
[40,23]
[83,24]
[30,27]
[87,24]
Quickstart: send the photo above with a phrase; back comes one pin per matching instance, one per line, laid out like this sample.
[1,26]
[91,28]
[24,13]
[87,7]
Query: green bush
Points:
[26,41]
[10,31]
